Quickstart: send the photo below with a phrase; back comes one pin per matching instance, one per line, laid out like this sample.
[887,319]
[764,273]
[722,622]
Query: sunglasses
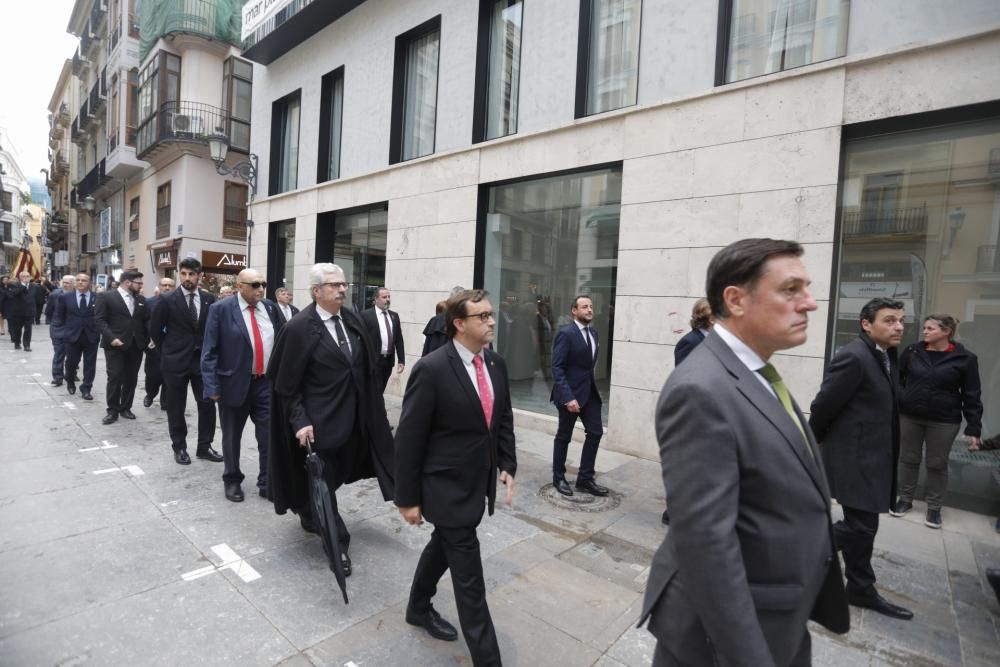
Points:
[256,285]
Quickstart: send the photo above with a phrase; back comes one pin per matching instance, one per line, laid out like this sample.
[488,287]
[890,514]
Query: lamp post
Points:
[218,148]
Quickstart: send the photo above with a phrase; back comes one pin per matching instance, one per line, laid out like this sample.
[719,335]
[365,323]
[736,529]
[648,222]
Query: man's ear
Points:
[735,299]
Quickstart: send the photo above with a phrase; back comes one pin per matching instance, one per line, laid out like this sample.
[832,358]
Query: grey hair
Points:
[67,277]
[318,271]
[457,289]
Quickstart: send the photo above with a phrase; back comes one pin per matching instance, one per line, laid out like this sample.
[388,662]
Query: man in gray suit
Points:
[749,557]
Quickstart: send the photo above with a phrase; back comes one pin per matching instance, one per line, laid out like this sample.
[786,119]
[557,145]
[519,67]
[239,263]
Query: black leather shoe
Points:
[665,519]
[209,454]
[879,604]
[110,418]
[591,487]
[307,524]
[56,383]
[126,414]
[71,387]
[234,492]
[436,627]
[148,401]
[345,560]
[27,349]
[86,395]
[562,486]
[182,457]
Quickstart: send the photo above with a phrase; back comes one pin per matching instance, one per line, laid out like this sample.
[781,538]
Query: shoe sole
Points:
[897,514]
[935,526]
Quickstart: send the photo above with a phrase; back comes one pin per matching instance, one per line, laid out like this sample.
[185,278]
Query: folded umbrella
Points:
[324,505]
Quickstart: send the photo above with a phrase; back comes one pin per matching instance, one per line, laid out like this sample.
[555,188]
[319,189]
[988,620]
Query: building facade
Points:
[544,149]
[13,186]
[63,223]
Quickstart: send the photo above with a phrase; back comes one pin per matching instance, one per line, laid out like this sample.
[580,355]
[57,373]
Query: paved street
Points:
[111,554]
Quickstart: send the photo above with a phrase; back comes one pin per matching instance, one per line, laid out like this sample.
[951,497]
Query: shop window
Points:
[355,240]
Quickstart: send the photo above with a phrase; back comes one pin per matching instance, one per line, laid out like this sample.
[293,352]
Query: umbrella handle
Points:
[309,448]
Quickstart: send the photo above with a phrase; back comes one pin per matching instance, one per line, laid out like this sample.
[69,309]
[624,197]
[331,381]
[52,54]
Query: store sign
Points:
[872,290]
[223,262]
[165,258]
[256,12]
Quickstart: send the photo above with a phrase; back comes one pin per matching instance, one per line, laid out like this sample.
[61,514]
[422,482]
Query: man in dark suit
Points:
[749,557]
[455,431]
[326,393]
[283,299]
[122,318]
[21,297]
[67,284]
[177,326]
[152,366]
[239,336]
[436,330]
[701,324]
[856,421]
[75,309]
[385,333]
[574,392]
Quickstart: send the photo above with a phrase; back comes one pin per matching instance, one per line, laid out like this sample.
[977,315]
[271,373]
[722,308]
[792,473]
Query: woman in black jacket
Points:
[939,383]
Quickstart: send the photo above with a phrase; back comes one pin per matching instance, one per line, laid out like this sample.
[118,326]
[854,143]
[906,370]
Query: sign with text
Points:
[255,12]
[166,258]
[223,262]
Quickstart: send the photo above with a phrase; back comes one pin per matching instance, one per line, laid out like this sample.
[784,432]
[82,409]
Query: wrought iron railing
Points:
[871,221]
[99,94]
[94,179]
[181,121]
[987,259]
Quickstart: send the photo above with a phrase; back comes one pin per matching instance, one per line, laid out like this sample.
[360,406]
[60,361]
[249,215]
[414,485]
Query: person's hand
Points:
[412,515]
[399,368]
[117,343]
[975,443]
[214,397]
[508,480]
[573,406]
[304,435]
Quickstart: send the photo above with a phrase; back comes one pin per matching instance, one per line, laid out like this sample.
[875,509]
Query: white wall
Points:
[888,24]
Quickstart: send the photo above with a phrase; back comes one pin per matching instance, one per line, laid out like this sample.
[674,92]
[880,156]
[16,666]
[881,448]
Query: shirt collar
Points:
[742,351]
[194,291]
[124,292]
[243,303]
[580,325]
[323,313]
[465,353]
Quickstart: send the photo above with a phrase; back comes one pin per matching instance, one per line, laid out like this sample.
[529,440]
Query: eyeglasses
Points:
[484,317]
[338,285]
[257,285]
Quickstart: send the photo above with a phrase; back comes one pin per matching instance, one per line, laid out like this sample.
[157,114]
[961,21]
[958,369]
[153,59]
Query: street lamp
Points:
[218,147]
[89,203]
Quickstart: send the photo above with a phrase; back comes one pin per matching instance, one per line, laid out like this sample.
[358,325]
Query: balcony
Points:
[93,183]
[62,116]
[79,63]
[987,259]
[56,132]
[85,40]
[98,13]
[190,122]
[910,221]
[292,25]
[60,165]
[53,142]
[99,95]
[78,134]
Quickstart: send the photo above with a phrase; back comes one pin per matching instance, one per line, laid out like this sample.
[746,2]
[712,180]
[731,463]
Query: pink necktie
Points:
[485,397]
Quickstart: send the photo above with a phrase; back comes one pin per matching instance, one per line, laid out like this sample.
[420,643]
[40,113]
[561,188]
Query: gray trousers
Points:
[939,437]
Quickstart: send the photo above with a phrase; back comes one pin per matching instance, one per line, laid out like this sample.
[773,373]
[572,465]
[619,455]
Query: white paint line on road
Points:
[230,561]
[350,663]
[30,375]
[198,574]
[170,503]
[104,445]
[131,471]
[106,470]
[69,405]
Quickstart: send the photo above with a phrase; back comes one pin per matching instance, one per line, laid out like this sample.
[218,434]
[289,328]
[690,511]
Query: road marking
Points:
[230,561]
[131,471]
[69,405]
[30,375]
[170,503]
[104,445]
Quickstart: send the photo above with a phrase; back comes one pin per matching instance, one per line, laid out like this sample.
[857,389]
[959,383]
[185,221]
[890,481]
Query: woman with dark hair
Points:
[939,383]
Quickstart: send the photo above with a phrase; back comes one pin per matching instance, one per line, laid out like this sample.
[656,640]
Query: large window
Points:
[414,94]
[281,256]
[133,219]
[159,83]
[237,89]
[163,211]
[285,143]
[920,222]
[608,55]
[546,240]
[498,69]
[355,240]
[331,120]
[132,108]
[766,36]
[234,225]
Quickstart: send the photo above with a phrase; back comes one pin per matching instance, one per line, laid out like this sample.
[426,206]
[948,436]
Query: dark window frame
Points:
[481,102]
[156,71]
[161,224]
[399,82]
[229,78]
[326,100]
[133,225]
[278,109]
[583,61]
[233,228]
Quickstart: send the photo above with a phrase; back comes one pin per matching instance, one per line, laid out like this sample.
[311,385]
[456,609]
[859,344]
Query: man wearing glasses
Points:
[121,318]
[239,336]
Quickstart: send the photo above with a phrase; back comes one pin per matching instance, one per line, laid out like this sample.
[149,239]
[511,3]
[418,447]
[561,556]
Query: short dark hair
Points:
[191,264]
[129,274]
[870,310]
[741,264]
[456,308]
[701,314]
[577,298]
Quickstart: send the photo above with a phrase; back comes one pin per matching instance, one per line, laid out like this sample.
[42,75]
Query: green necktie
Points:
[771,374]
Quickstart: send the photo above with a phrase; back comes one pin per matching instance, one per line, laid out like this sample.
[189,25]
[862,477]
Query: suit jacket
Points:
[176,334]
[691,340]
[856,421]
[749,557]
[22,299]
[371,319]
[573,366]
[435,334]
[446,456]
[114,320]
[77,326]
[281,314]
[227,353]
[55,326]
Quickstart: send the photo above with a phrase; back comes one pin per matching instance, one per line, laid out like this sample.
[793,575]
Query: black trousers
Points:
[662,657]
[256,407]
[20,329]
[175,391]
[58,358]
[385,366]
[457,549]
[123,373]
[590,415]
[74,350]
[154,376]
[855,537]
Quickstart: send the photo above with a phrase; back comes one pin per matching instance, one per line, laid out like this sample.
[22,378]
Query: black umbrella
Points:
[324,505]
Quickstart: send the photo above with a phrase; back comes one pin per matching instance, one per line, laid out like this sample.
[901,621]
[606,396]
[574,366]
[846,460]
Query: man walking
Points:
[21,306]
[66,285]
[384,331]
[283,299]
[749,557]
[80,336]
[121,318]
[151,367]
[177,327]
[574,392]
[856,421]
[455,432]
[239,336]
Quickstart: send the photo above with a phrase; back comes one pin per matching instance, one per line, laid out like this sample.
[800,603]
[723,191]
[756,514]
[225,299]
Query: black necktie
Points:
[83,301]
[341,336]
[192,309]
[590,341]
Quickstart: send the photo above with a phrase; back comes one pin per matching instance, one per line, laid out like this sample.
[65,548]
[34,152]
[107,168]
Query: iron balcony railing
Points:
[94,179]
[76,133]
[183,121]
[987,259]
[193,16]
[99,94]
[878,221]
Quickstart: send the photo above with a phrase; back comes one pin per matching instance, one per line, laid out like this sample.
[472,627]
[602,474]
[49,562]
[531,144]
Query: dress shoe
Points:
[86,395]
[126,414]
[17,346]
[148,401]
[234,492]
[56,383]
[665,519]
[182,457]
[110,418]
[27,349]
[262,492]
[431,621]
[562,486]
[345,561]
[209,454]
[71,387]
[307,524]
[879,604]
[591,487]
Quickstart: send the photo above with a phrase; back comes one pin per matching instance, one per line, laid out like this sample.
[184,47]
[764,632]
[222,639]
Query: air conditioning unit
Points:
[186,125]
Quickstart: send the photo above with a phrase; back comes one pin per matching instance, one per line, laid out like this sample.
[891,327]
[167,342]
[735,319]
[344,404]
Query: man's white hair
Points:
[318,273]
[68,278]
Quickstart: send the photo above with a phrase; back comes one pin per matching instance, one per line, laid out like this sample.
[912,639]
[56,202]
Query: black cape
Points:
[288,484]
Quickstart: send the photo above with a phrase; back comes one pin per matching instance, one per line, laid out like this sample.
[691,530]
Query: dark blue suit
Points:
[690,341]
[79,335]
[573,379]
[227,372]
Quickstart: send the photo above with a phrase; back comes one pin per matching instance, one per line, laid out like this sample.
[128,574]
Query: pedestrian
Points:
[701,324]
[283,299]
[939,384]
[239,337]
[22,296]
[749,557]
[326,393]
[450,443]
[177,325]
[122,319]
[855,419]
[436,329]
[4,280]
[67,284]
[225,292]
[80,335]
[152,366]
[386,334]
[40,294]
[574,393]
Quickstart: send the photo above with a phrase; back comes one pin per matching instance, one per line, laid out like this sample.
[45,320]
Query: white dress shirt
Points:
[743,352]
[466,355]
[128,298]
[384,327]
[331,326]
[587,339]
[197,302]
[263,323]
[286,310]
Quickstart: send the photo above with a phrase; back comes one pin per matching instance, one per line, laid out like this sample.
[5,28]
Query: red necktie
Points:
[258,344]
[485,397]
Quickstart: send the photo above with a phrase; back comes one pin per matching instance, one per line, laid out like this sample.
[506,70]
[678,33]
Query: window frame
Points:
[481,102]
[399,84]
[327,88]
[153,79]
[229,225]
[229,78]
[583,49]
[165,187]
[278,112]
[133,222]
